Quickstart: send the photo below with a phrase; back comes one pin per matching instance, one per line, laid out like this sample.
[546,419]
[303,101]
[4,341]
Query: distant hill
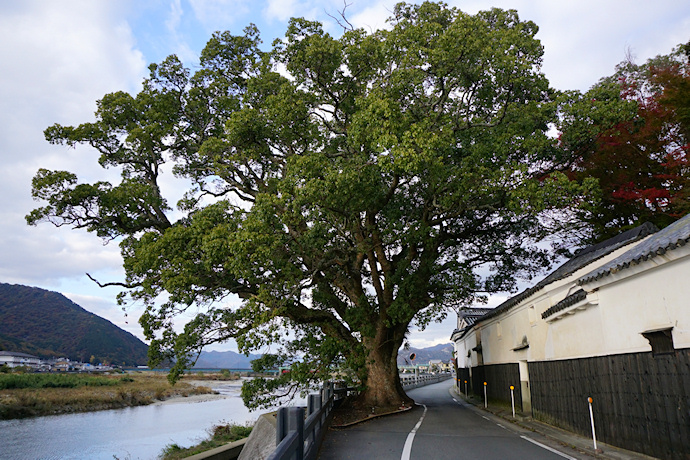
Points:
[443,351]
[232,360]
[48,324]
[224,360]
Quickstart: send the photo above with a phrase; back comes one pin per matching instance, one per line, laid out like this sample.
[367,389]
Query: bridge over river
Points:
[441,427]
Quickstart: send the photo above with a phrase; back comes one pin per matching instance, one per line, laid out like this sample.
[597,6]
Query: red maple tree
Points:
[640,156]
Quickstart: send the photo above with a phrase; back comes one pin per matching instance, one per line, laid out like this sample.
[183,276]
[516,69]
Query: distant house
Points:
[16,359]
[438,365]
[612,323]
[63,365]
[466,319]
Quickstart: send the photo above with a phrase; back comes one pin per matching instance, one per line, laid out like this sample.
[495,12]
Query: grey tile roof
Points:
[470,315]
[674,236]
[565,303]
[580,260]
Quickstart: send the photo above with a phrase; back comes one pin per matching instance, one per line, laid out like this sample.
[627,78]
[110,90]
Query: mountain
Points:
[224,360]
[48,324]
[443,351]
[232,360]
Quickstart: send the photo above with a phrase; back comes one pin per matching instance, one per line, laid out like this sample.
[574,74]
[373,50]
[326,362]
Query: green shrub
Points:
[231,432]
[170,450]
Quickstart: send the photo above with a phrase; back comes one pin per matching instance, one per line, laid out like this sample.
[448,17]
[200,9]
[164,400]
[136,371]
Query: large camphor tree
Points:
[343,189]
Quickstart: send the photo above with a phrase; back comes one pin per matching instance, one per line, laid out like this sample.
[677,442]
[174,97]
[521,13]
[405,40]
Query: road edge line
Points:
[550,449]
[407,449]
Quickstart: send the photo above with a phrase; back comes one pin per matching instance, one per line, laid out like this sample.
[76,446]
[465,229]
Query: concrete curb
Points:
[371,417]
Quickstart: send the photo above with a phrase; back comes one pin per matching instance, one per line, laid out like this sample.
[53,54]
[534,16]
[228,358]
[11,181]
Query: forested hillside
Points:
[47,324]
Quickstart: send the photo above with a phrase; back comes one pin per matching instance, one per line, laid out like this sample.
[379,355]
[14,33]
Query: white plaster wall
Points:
[658,297]
[652,295]
[644,297]
[461,354]
[575,336]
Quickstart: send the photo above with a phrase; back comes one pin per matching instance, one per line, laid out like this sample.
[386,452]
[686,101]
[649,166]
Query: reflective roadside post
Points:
[512,399]
[465,389]
[485,400]
[591,418]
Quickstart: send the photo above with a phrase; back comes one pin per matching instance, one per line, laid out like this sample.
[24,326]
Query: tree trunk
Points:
[383,387]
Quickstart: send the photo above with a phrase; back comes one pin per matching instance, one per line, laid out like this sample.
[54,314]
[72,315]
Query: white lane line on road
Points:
[410,438]
[548,448]
[486,418]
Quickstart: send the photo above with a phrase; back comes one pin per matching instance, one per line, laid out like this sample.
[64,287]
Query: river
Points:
[130,433]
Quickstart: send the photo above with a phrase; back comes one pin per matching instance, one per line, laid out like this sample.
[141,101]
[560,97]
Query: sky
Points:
[59,57]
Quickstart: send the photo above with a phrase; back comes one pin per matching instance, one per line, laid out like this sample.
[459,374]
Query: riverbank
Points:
[219,435]
[116,391]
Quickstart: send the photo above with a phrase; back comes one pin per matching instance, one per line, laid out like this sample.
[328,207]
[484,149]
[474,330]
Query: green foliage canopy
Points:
[343,188]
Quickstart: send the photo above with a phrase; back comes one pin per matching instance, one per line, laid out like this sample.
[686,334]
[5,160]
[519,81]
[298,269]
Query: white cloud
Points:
[373,17]
[315,10]
[219,14]
[59,58]
[584,40]
[281,10]
[176,42]
[174,16]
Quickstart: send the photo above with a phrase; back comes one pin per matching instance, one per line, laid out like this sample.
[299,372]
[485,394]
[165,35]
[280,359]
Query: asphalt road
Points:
[445,429]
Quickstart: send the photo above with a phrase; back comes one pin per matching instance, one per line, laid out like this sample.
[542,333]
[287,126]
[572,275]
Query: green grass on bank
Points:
[37,381]
[219,436]
[26,395]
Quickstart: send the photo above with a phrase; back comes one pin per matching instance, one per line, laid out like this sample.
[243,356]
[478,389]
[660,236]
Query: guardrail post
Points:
[281,424]
[296,423]
[329,390]
[314,404]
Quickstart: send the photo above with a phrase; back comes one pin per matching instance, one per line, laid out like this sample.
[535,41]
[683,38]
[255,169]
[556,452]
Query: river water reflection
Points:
[131,433]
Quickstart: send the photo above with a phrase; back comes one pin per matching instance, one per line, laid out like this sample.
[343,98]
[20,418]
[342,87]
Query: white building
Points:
[16,359]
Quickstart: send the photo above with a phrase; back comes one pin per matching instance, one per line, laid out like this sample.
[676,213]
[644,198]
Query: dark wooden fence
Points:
[641,402]
[498,378]
[462,375]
